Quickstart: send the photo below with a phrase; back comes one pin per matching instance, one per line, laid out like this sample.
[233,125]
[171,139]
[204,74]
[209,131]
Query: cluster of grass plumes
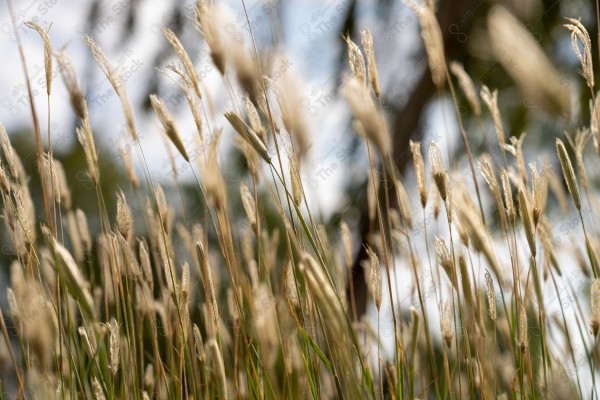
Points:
[168,308]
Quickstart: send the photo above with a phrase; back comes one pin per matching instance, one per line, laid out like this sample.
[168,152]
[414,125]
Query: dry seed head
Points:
[97,389]
[249,135]
[438,172]
[446,325]
[539,190]
[185,59]
[114,347]
[65,192]
[419,166]
[47,53]
[432,40]
[523,336]
[145,262]
[579,142]
[248,203]
[568,172]
[445,259]
[578,32]
[516,149]
[124,219]
[116,82]
[84,231]
[486,168]
[91,157]
[356,61]
[525,61]
[185,282]
[10,154]
[52,176]
[477,232]
[296,182]
[508,198]
[321,288]
[288,94]
[347,243]
[133,267]
[76,95]
[216,192]
[168,123]
[254,119]
[367,42]
[207,279]
[491,295]
[466,85]
[4,181]
[595,300]
[366,114]
[125,153]
[375,284]
[205,23]
[404,203]
[72,274]
[199,343]
[491,101]
[291,289]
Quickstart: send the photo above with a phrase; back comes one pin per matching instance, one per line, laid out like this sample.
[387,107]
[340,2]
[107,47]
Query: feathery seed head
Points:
[579,33]
[375,284]
[438,172]
[491,295]
[568,172]
[419,166]
[356,61]
[367,42]
[466,85]
[47,53]
[168,123]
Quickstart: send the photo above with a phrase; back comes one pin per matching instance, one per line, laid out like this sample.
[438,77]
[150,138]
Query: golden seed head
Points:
[296,182]
[446,324]
[367,43]
[47,53]
[491,295]
[291,289]
[523,336]
[347,243]
[568,172]
[432,40]
[368,117]
[356,61]
[580,34]
[205,23]
[491,101]
[466,85]
[419,166]
[248,203]
[375,284]
[124,219]
[114,346]
[168,123]
[526,62]
[438,172]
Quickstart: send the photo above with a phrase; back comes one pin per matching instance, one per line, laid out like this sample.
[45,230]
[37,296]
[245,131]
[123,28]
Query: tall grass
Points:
[232,306]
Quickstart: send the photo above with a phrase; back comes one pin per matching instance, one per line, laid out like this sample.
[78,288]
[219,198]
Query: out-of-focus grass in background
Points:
[347,199]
